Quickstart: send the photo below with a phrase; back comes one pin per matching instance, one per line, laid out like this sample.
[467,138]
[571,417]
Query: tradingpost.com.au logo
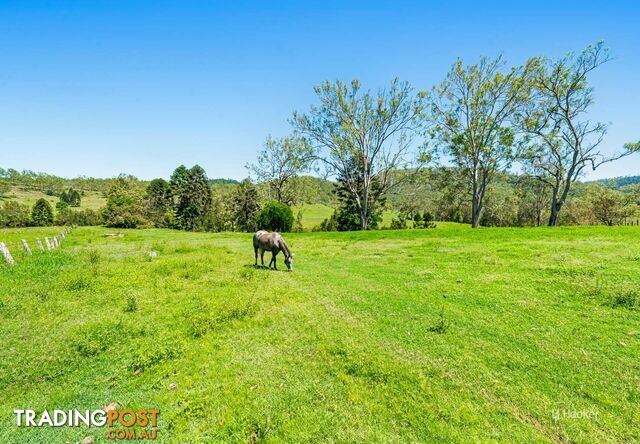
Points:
[110,417]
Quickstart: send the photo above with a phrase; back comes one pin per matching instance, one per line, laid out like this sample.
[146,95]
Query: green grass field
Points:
[314,214]
[449,334]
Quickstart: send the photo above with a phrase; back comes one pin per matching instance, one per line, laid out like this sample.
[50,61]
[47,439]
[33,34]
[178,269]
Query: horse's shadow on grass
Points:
[260,267]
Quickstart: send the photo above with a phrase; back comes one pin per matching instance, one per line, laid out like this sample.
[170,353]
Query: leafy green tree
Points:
[563,140]
[4,187]
[71,197]
[275,216]
[244,206]
[191,197]
[363,137]
[125,206]
[220,214]
[533,199]
[501,205]
[279,161]
[14,214]
[158,203]
[42,213]
[350,213]
[610,207]
[472,111]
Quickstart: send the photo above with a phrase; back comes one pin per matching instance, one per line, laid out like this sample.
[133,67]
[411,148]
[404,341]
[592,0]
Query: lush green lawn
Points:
[450,334]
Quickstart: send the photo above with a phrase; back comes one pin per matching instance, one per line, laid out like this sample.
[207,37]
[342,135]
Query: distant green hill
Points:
[619,182]
[220,181]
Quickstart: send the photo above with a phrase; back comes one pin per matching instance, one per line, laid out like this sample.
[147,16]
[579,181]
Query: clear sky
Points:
[97,88]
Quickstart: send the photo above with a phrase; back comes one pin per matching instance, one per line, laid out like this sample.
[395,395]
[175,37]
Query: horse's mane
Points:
[284,247]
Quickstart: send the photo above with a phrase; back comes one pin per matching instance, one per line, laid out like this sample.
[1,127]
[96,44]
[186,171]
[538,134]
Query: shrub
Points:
[88,217]
[14,214]
[275,217]
[42,213]
[61,205]
[329,224]
[399,223]
[132,304]
[297,225]
[428,216]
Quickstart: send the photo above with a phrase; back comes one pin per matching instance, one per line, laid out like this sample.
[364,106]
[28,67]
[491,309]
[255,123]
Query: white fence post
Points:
[39,242]
[46,241]
[6,254]
[26,247]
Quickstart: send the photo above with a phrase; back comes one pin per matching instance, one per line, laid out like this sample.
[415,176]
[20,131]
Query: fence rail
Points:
[51,242]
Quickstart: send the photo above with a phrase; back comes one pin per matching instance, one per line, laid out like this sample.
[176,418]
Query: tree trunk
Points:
[475,212]
[363,222]
[555,209]
[364,212]
[476,204]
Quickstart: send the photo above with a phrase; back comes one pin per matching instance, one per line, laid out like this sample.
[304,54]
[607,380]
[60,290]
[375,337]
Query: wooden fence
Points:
[51,243]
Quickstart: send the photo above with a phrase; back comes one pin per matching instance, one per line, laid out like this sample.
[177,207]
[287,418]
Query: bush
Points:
[329,224]
[42,213]
[61,205]
[399,223]
[88,217]
[124,206]
[297,225]
[275,217]
[14,214]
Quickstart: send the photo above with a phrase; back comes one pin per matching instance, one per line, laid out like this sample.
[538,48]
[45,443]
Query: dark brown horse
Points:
[273,242]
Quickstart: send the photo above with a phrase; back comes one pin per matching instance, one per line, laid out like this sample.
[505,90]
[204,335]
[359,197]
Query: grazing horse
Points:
[273,242]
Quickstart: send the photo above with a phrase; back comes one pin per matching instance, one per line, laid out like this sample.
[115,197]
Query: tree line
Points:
[433,193]
[482,119]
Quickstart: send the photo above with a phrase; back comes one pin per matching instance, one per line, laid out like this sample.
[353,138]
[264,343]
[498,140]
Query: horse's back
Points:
[265,240]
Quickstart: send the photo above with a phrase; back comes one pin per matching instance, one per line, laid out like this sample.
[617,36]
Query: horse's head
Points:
[288,261]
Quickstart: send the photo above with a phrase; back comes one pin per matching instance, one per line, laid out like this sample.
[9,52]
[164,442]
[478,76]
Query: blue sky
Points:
[102,87]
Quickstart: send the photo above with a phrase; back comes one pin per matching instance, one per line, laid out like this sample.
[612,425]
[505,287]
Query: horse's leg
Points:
[262,257]
[255,251]
[274,261]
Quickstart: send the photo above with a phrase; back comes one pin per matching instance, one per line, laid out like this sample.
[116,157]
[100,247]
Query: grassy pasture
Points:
[90,200]
[314,214]
[449,334]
